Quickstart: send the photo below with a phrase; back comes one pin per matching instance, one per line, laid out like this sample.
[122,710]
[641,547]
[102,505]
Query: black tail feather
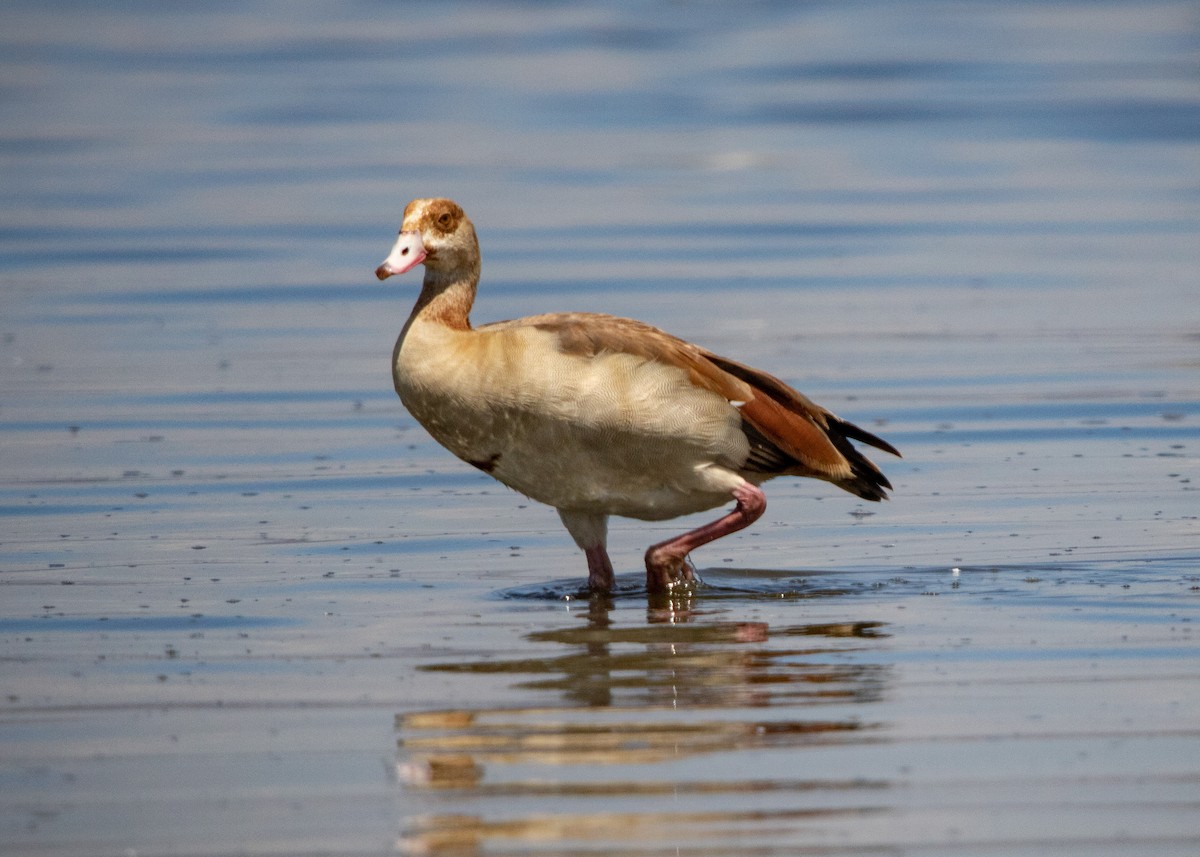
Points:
[868,481]
[853,432]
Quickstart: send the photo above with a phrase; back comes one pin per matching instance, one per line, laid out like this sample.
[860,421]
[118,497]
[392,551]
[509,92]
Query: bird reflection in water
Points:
[684,729]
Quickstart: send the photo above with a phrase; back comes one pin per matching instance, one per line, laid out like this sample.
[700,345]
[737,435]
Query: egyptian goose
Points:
[597,415]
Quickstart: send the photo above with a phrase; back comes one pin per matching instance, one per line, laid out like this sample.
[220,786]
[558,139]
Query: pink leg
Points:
[666,562]
[600,570]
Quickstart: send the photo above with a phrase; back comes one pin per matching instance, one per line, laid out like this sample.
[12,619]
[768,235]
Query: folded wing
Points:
[789,434]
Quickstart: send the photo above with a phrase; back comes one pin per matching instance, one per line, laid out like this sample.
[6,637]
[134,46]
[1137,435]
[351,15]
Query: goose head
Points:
[435,232]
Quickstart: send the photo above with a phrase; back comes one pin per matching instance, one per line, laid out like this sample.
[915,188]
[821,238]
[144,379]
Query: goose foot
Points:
[665,571]
[667,563]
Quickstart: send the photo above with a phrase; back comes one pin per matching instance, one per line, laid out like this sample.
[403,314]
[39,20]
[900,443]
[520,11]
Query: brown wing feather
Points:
[816,440]
[788,433]
[590,334]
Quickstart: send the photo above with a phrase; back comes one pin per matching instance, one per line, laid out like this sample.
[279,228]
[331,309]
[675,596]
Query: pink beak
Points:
[407,253]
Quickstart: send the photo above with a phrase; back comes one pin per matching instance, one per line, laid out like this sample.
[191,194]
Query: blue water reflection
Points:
[975,222]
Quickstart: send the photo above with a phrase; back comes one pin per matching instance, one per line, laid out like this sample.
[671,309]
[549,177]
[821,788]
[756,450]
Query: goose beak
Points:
[407,253]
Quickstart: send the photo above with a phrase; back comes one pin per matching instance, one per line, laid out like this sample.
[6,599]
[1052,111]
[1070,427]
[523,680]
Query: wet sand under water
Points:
[248,607]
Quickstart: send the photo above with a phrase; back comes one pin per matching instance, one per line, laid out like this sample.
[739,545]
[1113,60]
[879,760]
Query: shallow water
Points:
[248,607]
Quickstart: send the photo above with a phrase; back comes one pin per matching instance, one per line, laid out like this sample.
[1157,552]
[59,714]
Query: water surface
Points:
[248,607]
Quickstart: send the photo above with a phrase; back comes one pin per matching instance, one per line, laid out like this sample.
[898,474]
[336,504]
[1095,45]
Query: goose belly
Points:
[615,473]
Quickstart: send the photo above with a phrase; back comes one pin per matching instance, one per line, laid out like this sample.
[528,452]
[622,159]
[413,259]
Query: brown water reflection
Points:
[681,732]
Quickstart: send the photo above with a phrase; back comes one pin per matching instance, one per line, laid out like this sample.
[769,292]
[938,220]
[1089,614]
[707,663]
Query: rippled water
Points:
[248,607]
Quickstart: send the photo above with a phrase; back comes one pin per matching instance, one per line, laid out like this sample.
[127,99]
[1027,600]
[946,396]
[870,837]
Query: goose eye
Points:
[444,220]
